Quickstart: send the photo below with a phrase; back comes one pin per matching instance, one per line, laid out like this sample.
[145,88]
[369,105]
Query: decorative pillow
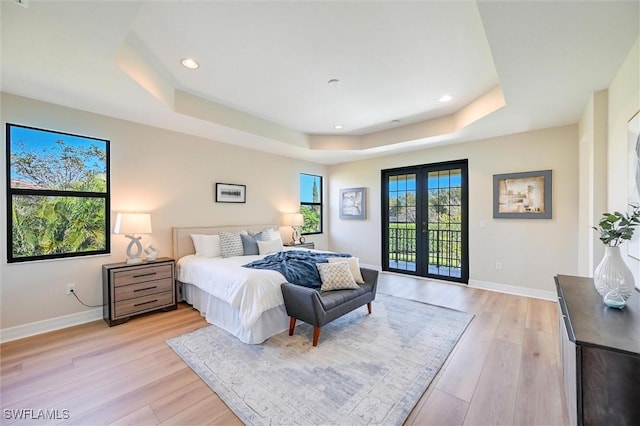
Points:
[250,244]
[207,245]
[270,234]
[354,265]
[231,244]
[271,246]
[336,276]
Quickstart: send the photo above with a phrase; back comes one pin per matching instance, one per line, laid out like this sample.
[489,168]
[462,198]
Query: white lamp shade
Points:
[132,223]
[293,219]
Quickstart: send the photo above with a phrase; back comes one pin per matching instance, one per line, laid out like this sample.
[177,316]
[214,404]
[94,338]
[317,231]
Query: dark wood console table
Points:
[600,351]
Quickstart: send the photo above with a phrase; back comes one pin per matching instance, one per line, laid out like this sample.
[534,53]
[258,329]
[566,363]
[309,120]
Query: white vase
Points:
[613,277]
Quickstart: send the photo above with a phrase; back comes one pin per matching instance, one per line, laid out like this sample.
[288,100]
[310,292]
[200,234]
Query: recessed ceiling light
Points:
[445,98]
[333,82]
[395,122]
[338,127]
[190,63]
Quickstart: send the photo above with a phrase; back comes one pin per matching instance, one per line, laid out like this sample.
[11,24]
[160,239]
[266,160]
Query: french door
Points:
[424,220]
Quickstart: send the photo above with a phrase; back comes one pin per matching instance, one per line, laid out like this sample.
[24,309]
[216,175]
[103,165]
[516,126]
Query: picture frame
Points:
[633,173]
[231,193]
[524,195]
[353,203]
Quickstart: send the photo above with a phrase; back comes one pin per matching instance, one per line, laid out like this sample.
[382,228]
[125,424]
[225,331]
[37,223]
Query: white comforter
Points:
[251,291]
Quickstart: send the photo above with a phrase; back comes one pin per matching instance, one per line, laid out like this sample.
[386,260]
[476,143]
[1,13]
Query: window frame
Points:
[32,192]
[319,205]
[421,250]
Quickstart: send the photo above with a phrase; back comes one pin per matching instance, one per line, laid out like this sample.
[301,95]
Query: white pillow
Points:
[269,234]
[336,276]
[270,246]
[354,265]
[207,245]
[231,244]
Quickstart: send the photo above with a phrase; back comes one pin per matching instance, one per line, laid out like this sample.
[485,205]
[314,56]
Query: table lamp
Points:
[294,220]
[131,224]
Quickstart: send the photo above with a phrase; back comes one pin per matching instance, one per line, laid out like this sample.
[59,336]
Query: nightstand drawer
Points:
[142,274]
[143,289]
[145,303]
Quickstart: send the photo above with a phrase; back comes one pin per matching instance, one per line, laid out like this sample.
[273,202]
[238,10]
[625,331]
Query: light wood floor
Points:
[505,369]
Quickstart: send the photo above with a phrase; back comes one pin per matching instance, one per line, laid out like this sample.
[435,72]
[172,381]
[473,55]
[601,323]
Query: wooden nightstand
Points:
[130,290]
[302,245]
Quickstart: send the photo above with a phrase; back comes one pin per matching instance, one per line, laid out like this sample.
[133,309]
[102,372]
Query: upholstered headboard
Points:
[183,245]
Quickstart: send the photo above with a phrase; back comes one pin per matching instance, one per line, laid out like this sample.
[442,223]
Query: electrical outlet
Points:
[498,266]
[71,288]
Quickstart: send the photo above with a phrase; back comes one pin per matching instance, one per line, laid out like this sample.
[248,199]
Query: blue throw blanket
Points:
[297,266]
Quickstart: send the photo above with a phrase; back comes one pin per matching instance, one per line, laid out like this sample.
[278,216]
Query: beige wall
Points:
[531,251]
[624,102]
[593,129]
[168,174]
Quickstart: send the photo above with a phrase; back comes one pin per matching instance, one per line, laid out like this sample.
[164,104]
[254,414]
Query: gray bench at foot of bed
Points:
[321,307]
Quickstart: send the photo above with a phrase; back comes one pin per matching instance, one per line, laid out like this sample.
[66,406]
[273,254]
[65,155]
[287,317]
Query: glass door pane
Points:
[402,222]
[444,188]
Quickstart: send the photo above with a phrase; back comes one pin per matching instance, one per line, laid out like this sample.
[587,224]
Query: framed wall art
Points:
[231,193]
[353,203]
[525,195]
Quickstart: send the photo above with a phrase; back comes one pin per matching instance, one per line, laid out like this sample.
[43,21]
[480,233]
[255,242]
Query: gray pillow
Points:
[250,244]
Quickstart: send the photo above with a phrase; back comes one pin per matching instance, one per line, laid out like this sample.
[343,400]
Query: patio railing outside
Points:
[445,249]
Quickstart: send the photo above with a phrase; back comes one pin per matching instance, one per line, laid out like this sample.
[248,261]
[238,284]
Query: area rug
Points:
[366,369]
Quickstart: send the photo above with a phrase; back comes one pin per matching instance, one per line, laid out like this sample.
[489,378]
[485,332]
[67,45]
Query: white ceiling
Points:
[510,66]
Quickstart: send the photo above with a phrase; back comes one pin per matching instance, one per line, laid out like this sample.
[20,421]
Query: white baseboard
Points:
[515,290]
[374,267]
[490,286]
[39,327]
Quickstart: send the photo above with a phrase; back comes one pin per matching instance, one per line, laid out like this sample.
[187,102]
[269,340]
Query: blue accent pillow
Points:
[250,244]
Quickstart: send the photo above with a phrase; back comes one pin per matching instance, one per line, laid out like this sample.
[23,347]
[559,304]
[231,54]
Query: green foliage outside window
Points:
[311,216]
[444,226]
[58,194]
[311,203]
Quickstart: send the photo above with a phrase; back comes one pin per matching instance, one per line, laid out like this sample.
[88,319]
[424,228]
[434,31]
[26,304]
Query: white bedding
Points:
[251,291]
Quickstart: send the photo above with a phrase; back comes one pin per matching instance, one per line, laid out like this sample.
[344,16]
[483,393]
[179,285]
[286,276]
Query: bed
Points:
[245,302]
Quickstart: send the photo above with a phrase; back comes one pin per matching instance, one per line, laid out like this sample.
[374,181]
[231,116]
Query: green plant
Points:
[616,227]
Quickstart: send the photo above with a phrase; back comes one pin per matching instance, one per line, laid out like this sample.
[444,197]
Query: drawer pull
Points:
[145,275]
[146,288]
[145,303]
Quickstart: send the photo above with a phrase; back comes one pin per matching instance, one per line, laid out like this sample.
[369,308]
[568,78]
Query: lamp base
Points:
[294,236]
[134,250]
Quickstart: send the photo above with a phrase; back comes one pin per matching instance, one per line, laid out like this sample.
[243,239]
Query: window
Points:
[57,194]
[311,203]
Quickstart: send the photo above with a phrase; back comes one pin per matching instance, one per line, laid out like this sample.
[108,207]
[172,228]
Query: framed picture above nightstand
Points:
[130,290]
